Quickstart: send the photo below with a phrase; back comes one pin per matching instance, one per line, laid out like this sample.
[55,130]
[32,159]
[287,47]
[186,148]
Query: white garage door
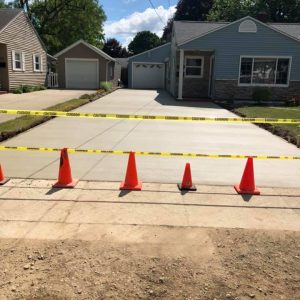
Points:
[148,75]
[82,74]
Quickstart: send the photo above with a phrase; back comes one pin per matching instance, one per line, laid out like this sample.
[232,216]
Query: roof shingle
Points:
[6,15]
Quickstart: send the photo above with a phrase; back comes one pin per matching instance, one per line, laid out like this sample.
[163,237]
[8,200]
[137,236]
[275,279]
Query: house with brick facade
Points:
[222,60]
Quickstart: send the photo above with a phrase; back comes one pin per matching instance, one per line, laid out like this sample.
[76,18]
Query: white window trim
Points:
[196,67]
[22,61]
[264,84]
[40,63]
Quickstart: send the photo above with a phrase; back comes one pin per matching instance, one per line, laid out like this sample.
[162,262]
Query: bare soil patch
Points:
[242,264]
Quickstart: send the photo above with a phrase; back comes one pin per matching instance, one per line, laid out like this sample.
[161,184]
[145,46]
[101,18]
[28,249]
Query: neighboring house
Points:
[83,66]
[23,59]
[222,60]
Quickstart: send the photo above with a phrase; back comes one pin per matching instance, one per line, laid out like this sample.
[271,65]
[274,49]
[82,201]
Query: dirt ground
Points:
[234,264]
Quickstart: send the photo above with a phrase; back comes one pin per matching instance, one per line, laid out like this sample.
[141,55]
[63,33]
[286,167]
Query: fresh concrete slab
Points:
[32,209]
[212,138]
[37,100]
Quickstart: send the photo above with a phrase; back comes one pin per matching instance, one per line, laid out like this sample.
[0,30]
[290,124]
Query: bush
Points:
[261,94]
[27,88]
[106,85]
[18,90]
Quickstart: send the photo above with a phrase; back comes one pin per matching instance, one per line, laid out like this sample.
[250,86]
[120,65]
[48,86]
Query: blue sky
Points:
[126,17]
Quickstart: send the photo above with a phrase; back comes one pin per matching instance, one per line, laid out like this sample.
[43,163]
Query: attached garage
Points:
[82,73]
[149,70]
[84,66]
[148,75]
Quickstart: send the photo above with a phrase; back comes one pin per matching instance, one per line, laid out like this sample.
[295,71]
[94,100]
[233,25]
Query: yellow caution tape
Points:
[146,117]
[143,153]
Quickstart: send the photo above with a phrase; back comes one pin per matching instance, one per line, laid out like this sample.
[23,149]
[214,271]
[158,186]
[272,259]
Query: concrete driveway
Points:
[37,100]
[220,138]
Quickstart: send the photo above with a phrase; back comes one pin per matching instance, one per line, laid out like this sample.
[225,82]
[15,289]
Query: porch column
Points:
[180,83]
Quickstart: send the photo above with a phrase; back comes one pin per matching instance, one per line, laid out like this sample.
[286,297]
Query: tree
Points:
[143,41]
[114,49]
[188,10]
[2,4]
[275,10]
[231,10]
[61,23]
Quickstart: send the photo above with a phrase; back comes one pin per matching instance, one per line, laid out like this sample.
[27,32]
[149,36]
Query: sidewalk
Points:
[31,209]
[36,100]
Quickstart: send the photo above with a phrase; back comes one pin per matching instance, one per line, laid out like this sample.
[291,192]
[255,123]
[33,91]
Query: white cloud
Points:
[126,28]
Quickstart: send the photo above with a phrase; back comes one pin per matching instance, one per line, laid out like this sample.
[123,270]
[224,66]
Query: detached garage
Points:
[149,70]
[83,66]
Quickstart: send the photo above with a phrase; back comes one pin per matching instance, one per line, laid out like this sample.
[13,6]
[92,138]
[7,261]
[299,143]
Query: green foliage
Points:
[28,89]
[191,10]
[18,90]
[261,94]
[2,4]
[106,85]
[275,10]
[61,23]
[113,48]
[143,41]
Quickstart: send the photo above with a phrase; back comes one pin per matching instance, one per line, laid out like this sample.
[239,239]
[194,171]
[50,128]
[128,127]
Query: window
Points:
[266,71]
[37,63]
[194,66]
[18,60]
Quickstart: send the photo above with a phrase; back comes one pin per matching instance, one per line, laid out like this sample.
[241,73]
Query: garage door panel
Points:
[82,74]
[148,76]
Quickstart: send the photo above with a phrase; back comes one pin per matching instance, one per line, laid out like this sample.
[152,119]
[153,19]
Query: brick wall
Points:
[229,89]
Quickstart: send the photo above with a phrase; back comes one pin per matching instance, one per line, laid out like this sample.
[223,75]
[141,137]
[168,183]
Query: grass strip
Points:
[289,131]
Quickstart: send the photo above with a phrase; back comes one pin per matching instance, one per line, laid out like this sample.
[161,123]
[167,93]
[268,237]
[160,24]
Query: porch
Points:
[195,74]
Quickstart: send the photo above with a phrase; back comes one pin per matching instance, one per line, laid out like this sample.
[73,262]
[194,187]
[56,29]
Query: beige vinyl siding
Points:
[20,36]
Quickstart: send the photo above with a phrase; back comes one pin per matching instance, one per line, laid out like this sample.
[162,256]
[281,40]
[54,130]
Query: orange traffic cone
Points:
[247,185]
[65,179]
[3,180]
[131,182]
[187,183]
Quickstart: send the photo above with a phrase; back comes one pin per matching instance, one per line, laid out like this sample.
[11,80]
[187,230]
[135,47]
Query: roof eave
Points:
[226,25]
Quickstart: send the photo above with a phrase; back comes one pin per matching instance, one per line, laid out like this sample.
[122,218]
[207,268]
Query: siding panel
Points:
[229,44]
[20,36]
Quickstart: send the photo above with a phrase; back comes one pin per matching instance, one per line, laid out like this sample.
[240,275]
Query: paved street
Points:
[219,138]
[37,100]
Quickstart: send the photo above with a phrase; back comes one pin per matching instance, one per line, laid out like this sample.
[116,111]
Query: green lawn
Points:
[21,124]
[274,112]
